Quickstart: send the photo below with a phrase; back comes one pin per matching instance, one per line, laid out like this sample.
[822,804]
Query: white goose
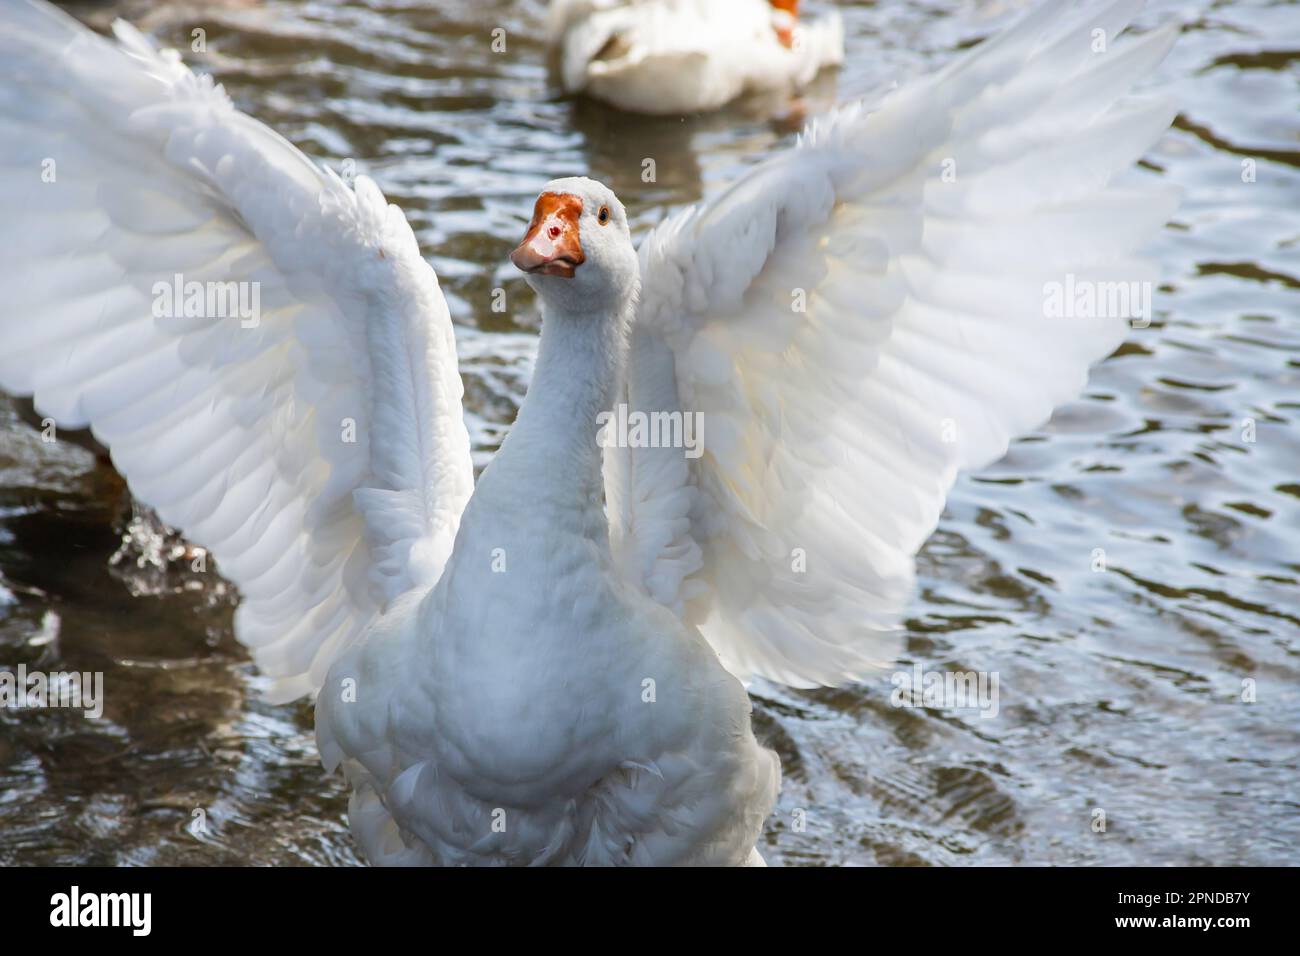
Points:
[520,672]
[688,56]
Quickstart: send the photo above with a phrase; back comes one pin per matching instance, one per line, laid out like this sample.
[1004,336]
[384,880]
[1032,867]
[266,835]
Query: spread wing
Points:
[865,315]
[262,348]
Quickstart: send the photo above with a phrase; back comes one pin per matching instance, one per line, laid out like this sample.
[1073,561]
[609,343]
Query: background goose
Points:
[522,672]
[687,56]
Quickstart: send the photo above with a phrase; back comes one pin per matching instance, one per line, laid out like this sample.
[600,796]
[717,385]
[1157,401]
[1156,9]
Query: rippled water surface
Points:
[1120,690]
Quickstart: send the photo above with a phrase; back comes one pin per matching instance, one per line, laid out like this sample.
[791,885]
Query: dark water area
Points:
[1163,690]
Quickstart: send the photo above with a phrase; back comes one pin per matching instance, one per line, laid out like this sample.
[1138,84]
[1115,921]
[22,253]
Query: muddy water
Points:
[1164,691]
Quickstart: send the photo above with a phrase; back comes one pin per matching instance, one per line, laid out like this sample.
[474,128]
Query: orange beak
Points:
[552,246]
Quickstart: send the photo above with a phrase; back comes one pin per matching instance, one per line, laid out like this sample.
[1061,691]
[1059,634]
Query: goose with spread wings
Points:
[546,667]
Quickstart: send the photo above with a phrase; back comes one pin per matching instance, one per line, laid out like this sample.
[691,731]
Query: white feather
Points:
[235,434]
[832,435]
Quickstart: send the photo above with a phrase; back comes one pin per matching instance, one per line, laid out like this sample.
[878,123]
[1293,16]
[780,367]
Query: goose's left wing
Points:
[860,318]
[263,349]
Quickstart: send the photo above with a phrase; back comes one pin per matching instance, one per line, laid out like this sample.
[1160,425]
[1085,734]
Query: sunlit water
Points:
[1128,690]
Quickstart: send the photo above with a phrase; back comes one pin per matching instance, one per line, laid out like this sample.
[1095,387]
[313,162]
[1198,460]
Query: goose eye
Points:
[602,217]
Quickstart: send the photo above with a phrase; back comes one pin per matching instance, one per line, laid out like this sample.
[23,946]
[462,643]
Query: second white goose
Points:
[688,56]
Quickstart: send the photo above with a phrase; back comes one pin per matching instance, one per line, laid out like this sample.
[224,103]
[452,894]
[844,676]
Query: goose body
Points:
[513,724]
[546,667]
[535,706]
[688,56]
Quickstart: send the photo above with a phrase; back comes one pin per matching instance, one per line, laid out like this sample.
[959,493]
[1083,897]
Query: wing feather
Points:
[314,444]
[860,318]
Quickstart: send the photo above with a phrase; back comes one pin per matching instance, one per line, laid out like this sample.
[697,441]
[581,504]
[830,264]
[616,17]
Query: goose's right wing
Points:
[853,327]
[262,348]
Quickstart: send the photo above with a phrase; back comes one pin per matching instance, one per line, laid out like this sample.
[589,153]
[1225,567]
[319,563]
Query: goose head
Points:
[577,253]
